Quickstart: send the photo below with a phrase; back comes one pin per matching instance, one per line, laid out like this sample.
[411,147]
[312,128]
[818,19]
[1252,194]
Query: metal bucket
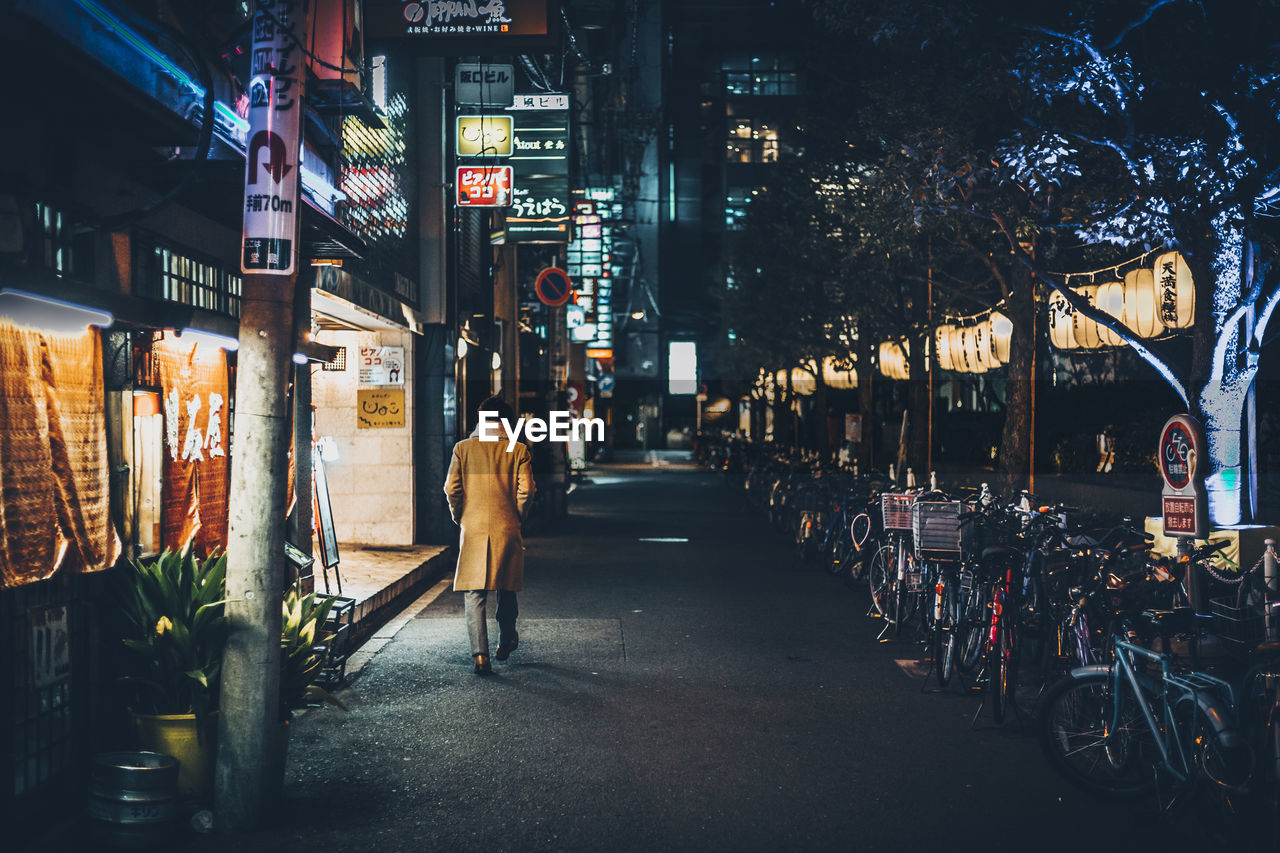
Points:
[133,800]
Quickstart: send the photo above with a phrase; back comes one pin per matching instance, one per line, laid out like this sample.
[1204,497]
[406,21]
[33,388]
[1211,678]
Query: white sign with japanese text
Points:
[269,239]
[381,366]
[484,85]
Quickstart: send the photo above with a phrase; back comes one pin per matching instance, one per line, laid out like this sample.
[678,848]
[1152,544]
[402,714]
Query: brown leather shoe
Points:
[483,667]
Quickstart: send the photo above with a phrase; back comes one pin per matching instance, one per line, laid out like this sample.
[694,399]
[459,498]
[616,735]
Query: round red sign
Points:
[553,286]
[1179,451]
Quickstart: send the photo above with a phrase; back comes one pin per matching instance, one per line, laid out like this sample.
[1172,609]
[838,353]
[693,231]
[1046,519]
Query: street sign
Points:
[381,366]
[484,85]
[1179,454]
[606,382]
[483,136]
[553,286]
[484,186]
[276,63]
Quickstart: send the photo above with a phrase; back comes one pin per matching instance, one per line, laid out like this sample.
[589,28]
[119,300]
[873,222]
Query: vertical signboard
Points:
[540,158]
[484,85]
[590,257]
[269,238]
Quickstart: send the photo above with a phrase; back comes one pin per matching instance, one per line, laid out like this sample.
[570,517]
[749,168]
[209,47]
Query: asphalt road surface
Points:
[682,684]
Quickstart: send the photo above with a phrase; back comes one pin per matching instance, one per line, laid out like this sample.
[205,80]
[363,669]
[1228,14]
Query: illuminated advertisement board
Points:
[484,186]
[504,23]
[540,210]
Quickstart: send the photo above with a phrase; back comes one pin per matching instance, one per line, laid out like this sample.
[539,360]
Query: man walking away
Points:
[488,488]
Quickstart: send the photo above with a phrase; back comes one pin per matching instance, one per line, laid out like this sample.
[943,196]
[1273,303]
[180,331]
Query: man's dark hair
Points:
[501,409]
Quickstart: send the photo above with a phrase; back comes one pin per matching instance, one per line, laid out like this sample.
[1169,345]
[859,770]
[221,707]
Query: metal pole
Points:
[1271,574]
[1186,545]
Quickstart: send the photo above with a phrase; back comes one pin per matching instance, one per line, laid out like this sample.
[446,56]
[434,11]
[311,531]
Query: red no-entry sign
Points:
[554,287]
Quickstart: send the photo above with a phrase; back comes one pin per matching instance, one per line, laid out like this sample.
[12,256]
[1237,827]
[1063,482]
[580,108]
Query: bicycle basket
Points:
[938,532]
[1241,627]
[897,510]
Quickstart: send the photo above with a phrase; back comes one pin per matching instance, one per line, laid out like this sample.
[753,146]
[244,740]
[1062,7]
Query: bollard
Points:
[933,481]
[1271,574]
[911,479]
[1186,545]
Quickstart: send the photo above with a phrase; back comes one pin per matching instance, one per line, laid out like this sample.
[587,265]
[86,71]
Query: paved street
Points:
[671,695]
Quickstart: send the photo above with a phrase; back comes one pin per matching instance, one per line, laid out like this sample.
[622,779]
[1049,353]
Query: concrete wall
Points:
[371,486]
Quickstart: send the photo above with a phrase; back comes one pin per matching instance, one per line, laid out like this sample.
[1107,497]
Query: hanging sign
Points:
[484,186]
[1180,451]
[269,237]
[484,85]
[483,136]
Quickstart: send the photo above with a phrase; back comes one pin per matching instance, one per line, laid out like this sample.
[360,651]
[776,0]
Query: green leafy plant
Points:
[302,641]
[177,631]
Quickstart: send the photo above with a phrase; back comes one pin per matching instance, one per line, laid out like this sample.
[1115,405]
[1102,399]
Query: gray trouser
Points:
[476,601]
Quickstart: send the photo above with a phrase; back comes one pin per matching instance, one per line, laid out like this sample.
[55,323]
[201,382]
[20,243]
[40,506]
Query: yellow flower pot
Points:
[175,734]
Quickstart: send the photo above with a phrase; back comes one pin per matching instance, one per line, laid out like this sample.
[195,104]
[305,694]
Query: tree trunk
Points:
[1014,459]
[821,435]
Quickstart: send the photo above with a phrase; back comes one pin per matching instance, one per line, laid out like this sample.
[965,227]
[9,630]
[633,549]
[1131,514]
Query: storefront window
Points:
[180,277]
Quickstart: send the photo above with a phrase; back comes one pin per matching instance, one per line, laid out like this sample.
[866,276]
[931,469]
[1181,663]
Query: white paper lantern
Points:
[1001,336]
[1175,292]
[1111,299]
[1087,332]
[982,346]
[1061,331]
[893,360]
[942,346]
[1141,304]
[839,378]
[969,350]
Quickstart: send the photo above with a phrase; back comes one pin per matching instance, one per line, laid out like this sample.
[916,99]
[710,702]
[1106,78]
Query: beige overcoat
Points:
[488,489]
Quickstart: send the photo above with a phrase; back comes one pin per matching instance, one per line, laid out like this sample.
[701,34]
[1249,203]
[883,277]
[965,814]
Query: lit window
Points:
[752,140]
[759,75]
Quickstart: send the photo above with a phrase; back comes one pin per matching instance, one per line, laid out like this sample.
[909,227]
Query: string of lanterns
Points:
[1150,301]
[804,383]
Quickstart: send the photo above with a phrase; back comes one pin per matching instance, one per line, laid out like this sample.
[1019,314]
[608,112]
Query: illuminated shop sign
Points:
[484,186]
[449,20]
[540,210]
[588,264]
[483,136]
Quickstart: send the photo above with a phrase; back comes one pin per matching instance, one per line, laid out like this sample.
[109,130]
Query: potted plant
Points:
[303,643]
[174,607]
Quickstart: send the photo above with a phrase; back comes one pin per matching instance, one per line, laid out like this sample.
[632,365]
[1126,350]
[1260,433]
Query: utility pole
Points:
[248,780]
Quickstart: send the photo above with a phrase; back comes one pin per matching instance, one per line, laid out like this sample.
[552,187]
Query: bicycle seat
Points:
[1000,551]
[1167,622]
[1084,540]
[1267,647]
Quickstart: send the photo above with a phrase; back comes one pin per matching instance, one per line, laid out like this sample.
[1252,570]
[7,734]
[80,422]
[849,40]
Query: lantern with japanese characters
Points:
[1001,337]
[942,338]
[893,360]
[969,350]
[1061,331]
[1175,291]
[982,346]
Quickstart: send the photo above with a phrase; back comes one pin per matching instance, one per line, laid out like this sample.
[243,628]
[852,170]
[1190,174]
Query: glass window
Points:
[759,74]
[181,278]
[752,140]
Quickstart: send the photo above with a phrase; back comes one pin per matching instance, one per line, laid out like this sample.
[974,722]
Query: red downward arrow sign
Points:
[275,164]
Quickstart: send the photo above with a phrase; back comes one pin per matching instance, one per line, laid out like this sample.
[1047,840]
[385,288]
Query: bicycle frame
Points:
[1173,743]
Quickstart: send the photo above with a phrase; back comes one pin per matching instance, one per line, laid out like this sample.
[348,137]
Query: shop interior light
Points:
[53,315]
[299,358]
[200,336]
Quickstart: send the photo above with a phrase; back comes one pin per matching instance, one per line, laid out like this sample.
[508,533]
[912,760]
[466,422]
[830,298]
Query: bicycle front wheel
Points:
[1096,738]
[881,577]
